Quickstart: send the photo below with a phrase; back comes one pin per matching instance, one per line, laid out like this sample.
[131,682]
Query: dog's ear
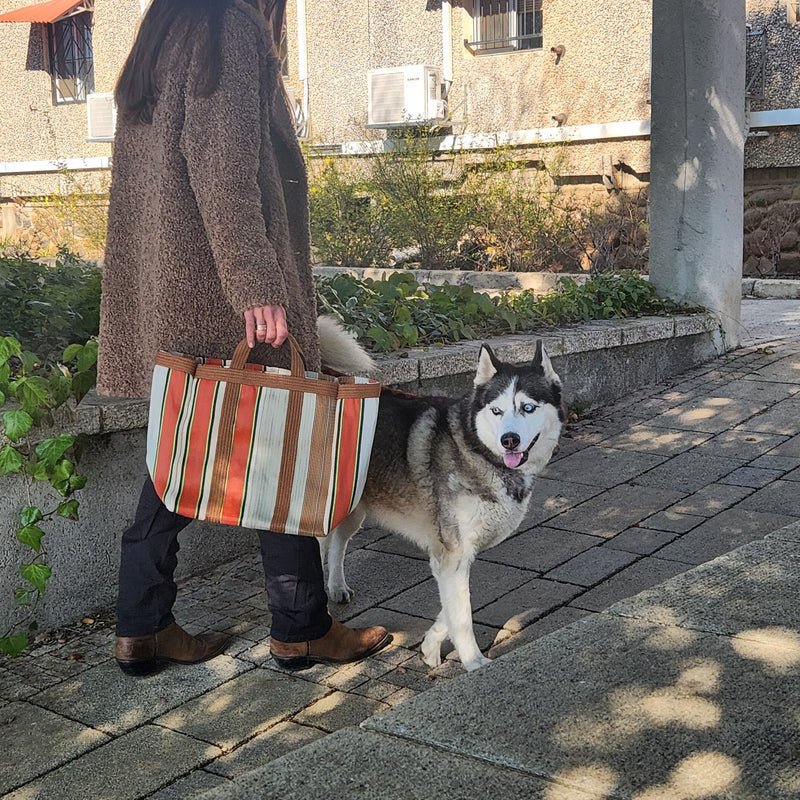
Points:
[542,360]
[487,366]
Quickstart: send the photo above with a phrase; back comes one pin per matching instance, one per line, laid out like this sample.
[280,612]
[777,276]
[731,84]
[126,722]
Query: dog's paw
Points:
[340,594]
[476,663]
[431,653]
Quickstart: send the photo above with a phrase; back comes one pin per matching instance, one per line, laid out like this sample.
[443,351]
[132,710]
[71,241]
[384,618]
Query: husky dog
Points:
[454,476]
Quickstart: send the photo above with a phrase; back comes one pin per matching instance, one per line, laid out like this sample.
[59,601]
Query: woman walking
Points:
[208,241]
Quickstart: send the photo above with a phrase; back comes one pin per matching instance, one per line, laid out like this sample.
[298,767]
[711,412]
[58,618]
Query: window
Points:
[793,12]
[71,60]
[504,25]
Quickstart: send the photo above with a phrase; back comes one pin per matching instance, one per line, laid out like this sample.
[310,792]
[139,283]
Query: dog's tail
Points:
[340,351]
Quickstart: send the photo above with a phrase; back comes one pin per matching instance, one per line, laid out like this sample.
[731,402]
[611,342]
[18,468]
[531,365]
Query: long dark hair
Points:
[137,88]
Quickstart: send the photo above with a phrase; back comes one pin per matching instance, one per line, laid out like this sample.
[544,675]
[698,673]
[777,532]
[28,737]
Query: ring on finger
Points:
[261,327]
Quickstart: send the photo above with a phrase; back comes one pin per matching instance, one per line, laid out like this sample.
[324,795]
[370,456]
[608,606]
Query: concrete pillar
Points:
[697,155]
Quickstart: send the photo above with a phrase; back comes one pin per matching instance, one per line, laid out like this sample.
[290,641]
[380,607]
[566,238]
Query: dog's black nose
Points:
[510,441]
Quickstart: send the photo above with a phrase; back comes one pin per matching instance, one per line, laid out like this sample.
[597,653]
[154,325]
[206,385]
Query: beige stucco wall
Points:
[346,38]
[32,127]
[602,76]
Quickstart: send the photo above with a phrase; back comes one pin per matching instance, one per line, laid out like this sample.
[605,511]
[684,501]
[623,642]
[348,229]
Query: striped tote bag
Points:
[266,448]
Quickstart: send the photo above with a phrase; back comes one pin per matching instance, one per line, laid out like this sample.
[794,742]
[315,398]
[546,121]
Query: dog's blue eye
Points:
[496,411]
[529,408]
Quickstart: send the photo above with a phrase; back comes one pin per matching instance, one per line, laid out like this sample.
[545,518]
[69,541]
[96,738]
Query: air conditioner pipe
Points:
[447,43]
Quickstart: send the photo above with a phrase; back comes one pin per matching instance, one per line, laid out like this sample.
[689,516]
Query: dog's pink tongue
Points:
[512,459]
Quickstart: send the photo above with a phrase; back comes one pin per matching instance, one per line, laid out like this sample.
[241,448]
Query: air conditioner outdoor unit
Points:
[410,95]
[101,117]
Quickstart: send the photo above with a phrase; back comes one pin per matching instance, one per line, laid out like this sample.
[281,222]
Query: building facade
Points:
[527,73]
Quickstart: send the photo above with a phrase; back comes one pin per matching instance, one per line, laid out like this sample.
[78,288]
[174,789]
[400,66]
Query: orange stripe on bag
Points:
[174,396]
[195,465]
[347,452]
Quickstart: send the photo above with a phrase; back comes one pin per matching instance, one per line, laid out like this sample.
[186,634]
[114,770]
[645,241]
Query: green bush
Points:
[523,226]
[348,228]
[431,203]
[46,308]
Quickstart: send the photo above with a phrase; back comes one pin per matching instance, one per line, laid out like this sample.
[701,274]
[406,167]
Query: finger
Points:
[269,333]
[262,326]
[281,329]
[250,327]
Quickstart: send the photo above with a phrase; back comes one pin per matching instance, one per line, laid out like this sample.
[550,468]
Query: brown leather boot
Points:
[144,655]
[340,645]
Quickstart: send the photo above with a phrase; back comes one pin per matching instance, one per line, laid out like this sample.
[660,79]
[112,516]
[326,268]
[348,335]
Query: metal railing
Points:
[488,45]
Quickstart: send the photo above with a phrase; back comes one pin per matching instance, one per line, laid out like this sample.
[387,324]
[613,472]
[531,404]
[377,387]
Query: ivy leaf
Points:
[17,424]
[82,383]
[22,597]
[29,360]
[37,575]
[87,357]
[72,352]
[10,460]
[60,476]
[2,399]
[31,535]
[38,470]
[30,515]
[13,646]
[77,482]
[33,392]
[69,508]
[382,338]
[50,450]
[60,388]
[9,346]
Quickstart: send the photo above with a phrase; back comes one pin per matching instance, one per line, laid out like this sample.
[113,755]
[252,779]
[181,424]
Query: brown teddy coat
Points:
[208,215]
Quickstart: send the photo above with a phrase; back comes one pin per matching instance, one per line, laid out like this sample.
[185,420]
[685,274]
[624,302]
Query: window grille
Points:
[507,25]
[283,51]
[71,58]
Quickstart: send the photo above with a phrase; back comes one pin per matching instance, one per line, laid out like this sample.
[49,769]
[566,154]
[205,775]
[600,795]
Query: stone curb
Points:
[102,415]
[772,288]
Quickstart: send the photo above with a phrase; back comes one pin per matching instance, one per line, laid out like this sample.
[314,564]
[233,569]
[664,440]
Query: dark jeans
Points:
[147,589]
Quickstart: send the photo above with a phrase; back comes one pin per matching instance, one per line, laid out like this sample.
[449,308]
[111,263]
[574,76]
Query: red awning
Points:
[50,11]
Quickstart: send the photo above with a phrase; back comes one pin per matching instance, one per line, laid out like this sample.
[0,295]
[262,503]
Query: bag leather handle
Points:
[242,353]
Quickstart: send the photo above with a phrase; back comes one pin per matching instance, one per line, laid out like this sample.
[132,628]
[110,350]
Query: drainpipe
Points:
[447,43]
[302,57]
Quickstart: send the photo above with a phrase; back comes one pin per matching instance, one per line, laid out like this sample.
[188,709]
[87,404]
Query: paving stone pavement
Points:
[640,491]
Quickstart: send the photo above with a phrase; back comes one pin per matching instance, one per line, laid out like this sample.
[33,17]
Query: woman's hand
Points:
[265,324]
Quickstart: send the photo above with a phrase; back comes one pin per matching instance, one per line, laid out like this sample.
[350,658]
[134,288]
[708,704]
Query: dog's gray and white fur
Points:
[452,475]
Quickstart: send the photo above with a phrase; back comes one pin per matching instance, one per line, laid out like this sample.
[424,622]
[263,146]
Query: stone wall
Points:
[772,223]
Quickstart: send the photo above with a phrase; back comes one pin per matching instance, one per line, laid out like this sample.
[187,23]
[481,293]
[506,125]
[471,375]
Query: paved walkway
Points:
[641,492]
